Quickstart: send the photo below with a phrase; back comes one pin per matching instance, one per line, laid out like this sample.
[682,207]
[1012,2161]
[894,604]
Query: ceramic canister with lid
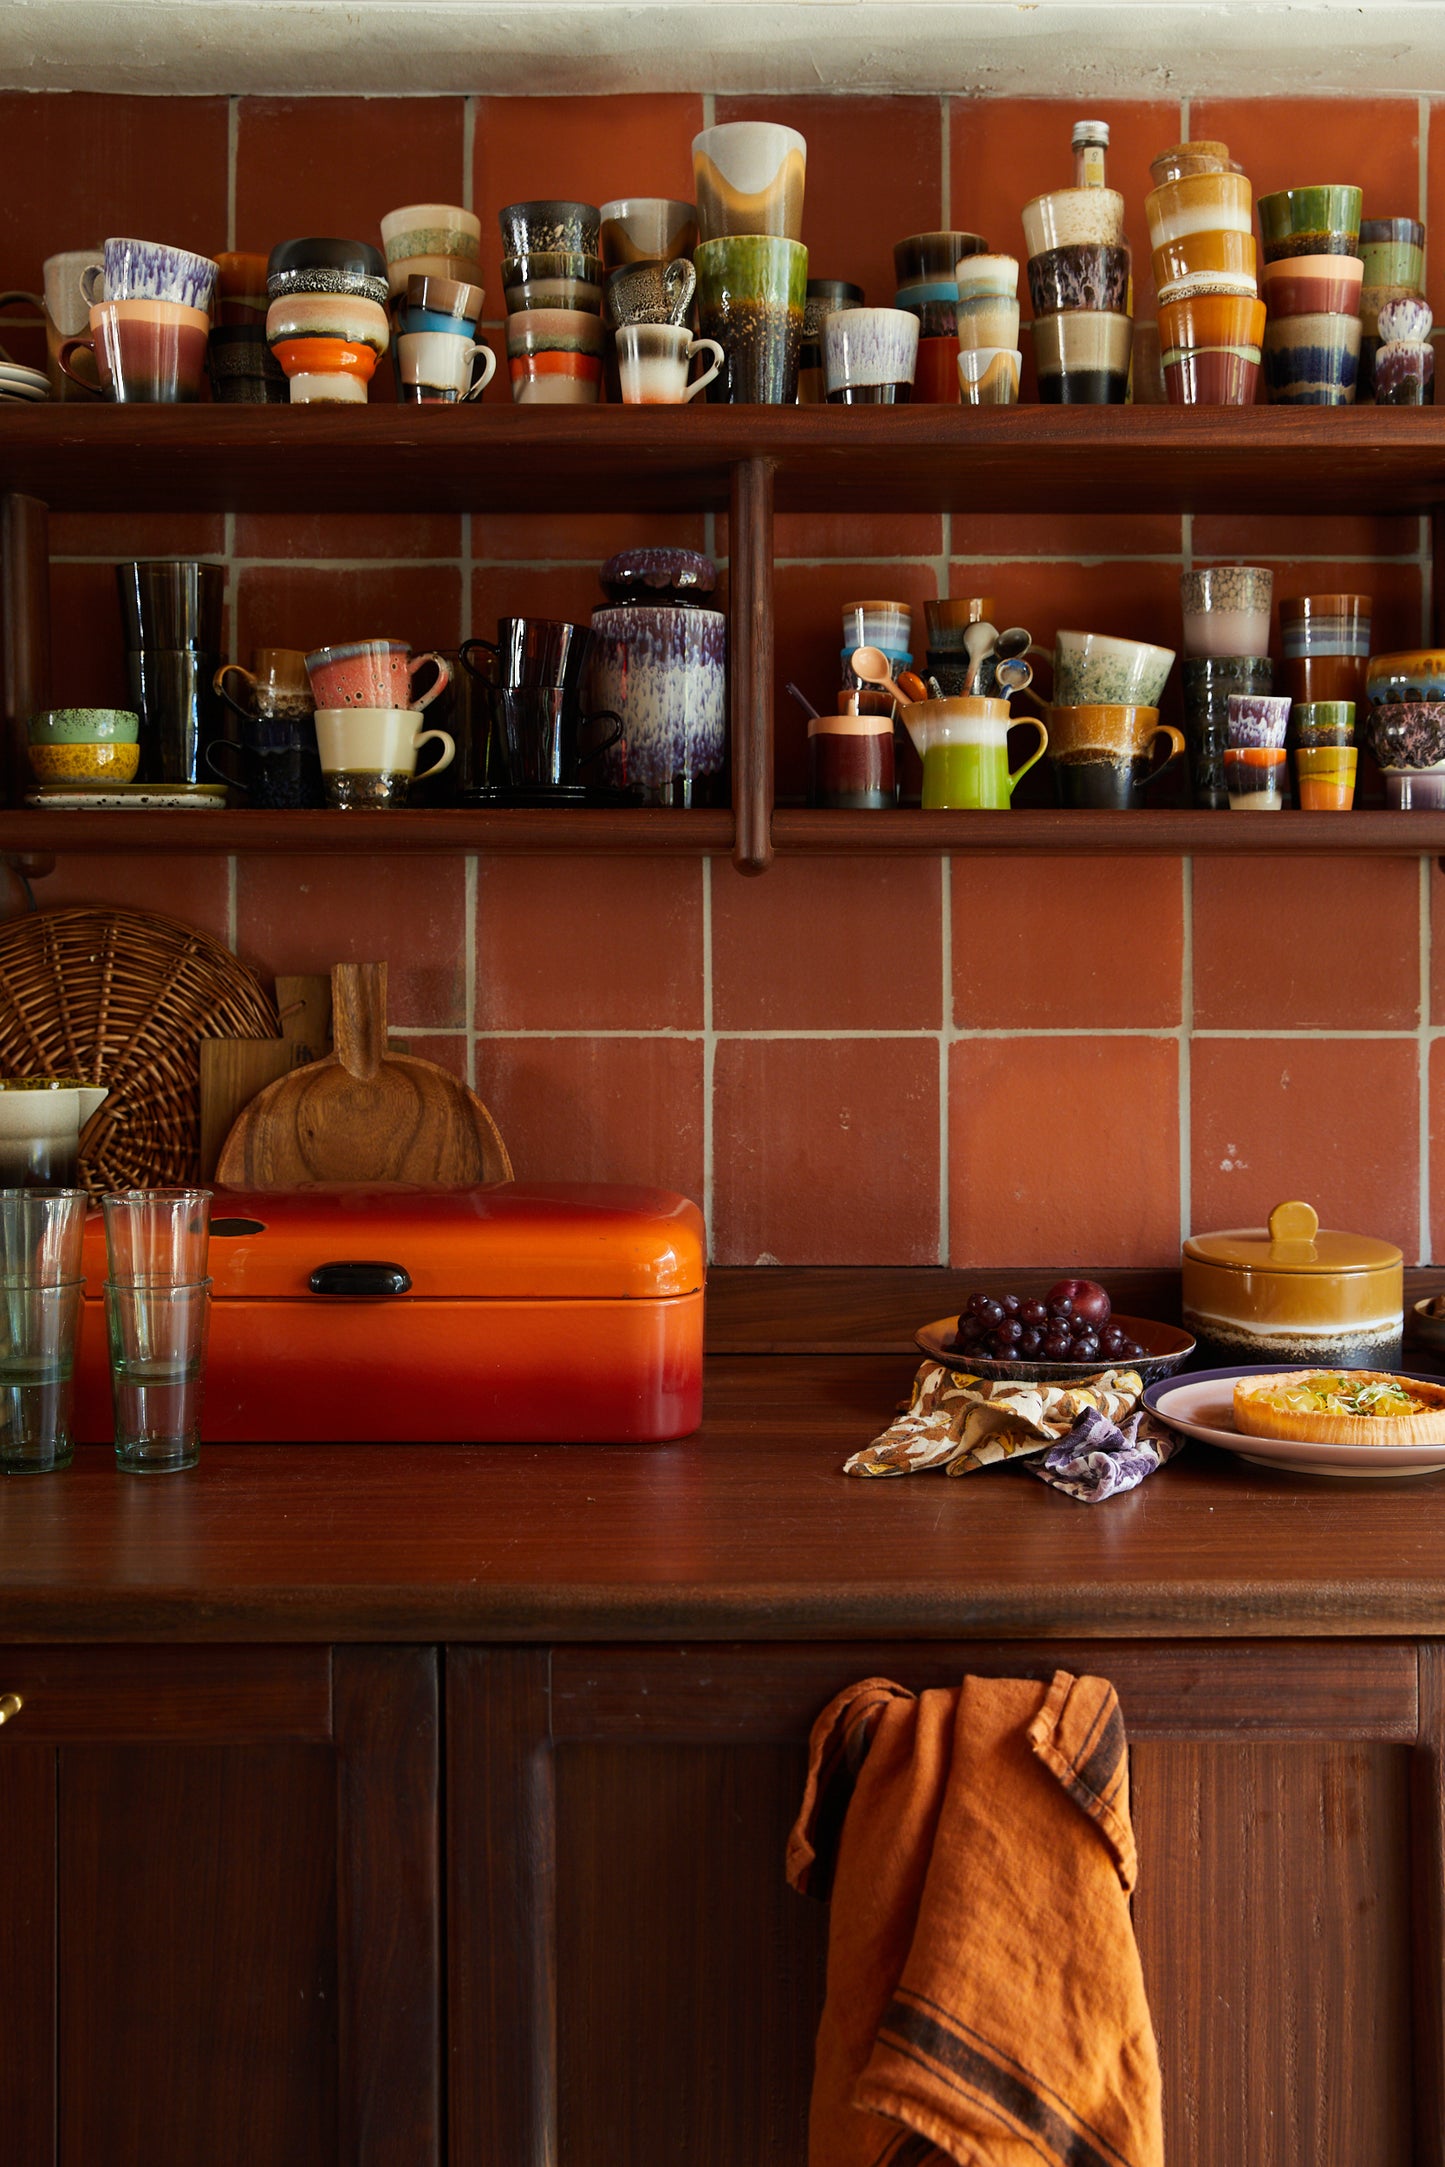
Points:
[658,659]
[1290,1292]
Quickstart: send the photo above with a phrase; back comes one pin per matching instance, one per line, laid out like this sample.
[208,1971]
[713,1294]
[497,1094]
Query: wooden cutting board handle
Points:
[358,1017]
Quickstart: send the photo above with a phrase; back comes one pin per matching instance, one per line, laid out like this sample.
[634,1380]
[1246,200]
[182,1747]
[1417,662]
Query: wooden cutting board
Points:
[363,1114]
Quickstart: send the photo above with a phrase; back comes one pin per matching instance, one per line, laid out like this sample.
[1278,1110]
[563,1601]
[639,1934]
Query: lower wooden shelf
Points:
[797,831]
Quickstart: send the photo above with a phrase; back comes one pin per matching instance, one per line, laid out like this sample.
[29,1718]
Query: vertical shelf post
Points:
[750,550]
[25,601]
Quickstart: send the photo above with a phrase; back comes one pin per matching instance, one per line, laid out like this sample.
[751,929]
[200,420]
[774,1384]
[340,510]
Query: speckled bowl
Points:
[83,726]
[1416,674]
[78,761]
[1407,734]
[1092,669]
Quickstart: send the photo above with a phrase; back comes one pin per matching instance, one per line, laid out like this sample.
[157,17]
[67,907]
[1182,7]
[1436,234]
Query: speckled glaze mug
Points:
[373,674]
[751,293]
[1092,669]
[869,356]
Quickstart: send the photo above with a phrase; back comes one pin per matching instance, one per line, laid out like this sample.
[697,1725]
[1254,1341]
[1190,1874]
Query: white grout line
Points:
[469,144]
[945,192]
[709,1054]
[1186,1034]
[709,109]
[944,1040]
[233,138]
[952,1036]
[1423,213]
[1427,868]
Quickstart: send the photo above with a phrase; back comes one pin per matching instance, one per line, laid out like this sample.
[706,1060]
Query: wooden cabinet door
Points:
[630,1979]
[219,1922]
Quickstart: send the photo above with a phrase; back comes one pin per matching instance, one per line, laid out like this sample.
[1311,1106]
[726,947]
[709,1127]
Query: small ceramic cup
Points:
[653,291]
[1325,778]
[1088,275]
[132,270]
[948,620]
[653,361]
[441,304]
[1312,360]
[988,320]
[1093,669]
[373,674]
[146,352]
[242,368]
[275,688]
[1392,251]
[1313,286]
[435,368]
[869,356]
[368,754]
[1316,221]
[1226,609]
[636,229]
[1213,261]
[551,223]
[1074,218]
[1254,777]
[1199,203]
[888,625]
[554,357]
[426,231]
[975,275]
[1317,723]
[552,278]
[749,176]
[1257,722]
[989,376]
[851,762]
[1083,357]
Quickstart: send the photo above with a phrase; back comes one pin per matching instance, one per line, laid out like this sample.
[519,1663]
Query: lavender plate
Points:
[1166,1349]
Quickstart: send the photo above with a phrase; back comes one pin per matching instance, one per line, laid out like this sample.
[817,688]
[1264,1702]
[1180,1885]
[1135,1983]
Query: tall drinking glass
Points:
[157,1364]
[41,1232]
[39,1327]
[157,1235]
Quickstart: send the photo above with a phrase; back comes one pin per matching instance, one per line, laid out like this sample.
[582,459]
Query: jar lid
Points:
[658,575]
[1292,1242]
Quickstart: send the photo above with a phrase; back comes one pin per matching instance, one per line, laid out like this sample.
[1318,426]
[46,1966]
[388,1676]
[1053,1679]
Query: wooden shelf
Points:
[796,832]
[513,459]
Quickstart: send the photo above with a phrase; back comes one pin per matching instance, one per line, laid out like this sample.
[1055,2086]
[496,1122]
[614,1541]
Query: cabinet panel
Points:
[27,1954]
[1274,1926]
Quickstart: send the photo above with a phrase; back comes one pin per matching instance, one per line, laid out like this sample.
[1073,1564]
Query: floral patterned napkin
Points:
[1094,1439]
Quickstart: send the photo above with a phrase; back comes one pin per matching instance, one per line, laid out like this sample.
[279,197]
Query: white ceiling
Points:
[1075,48]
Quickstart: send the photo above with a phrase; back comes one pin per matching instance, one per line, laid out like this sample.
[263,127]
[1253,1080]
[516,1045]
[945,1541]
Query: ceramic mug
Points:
[749,177]
[146,352]
[963,745]
[554,357]
[434,368]
[277,687]
[368,754]
[131,270]
[67,317]
[1092,668]
[635,228]
[869,356]
[374,675]
[279,764]
[652,364]
[751,293]
[1101,754]
[651,292]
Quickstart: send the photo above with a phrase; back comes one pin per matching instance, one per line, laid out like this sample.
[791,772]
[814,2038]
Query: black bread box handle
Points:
[360,1281]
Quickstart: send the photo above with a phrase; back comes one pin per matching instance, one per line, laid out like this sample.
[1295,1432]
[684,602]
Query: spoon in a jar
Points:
[871,664]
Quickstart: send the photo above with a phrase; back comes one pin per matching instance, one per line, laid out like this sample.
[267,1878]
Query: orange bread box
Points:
[523,1312]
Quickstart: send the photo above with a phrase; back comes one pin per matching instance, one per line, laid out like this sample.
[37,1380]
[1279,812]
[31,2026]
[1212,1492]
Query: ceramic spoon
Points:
[1012,643]
[979,640]
[1012,675]
[871,664]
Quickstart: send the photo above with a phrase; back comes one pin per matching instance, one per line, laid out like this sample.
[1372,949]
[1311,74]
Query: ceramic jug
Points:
[41,1118]
[963,744]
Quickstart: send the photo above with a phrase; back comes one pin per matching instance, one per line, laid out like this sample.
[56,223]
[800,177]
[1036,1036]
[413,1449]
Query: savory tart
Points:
[1341,1407]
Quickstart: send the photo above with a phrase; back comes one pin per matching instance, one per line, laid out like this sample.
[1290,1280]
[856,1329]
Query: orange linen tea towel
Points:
[985,2002]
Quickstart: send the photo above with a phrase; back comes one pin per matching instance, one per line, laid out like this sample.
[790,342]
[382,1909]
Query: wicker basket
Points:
[123,999]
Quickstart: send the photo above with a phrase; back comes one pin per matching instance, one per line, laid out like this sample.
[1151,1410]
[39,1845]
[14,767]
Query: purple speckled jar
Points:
[663,670]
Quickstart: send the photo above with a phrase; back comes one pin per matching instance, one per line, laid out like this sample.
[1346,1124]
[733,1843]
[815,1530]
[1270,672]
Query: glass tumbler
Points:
[41,1232]
[157,1235]
[39,1328]
[158,1333]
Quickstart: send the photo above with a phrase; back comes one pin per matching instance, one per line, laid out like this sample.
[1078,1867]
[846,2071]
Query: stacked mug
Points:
[279,763]
[1078,273]
[658,661]
[752,267]
[326,323]
[367,730]
[171,611]
[824,297]
[530,722]
[242,368]
[552,284]
[148,322]
[1211,320]
[1406,727]
[989,360]
[437,349]
[1312,282]
[647,251]
[1226,611]
[1392,251]
[1104,729]
[926,268]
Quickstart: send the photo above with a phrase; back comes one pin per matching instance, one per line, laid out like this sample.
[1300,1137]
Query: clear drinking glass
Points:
[157,1235]
[41,1231]
[157,1364]
[39,1328]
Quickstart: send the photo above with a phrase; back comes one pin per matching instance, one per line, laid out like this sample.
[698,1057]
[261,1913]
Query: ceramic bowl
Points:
[1211,375]
[1200,203]
[1211,319]
[549,224]
[927,256]
[1094,669]
[1205,155]
[646,229]
[1074,218]
[321,263]
[83,726]
[1312,360]
[1085,276]
[1166,1350]
[1226,609]
[1312,285]
[987,274]
[84,760]
[1326,624]
[1407,734]
[1415,674]
[1323,220]
[1219,257]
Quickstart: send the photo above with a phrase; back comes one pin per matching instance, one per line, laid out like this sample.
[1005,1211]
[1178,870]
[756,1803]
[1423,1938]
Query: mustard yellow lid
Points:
[1292,1242]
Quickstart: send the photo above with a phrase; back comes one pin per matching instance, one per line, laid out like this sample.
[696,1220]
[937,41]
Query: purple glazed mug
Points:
[373,673]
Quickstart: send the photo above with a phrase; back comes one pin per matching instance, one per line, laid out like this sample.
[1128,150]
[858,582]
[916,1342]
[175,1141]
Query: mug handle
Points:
[218,684]
[68,347]
[465,656]
[444,678]
[442,737]
[1176,747]
[679,284]
[602,714]
[1017,774]
[92,284]
[223,744]
[701,346]
[489,370]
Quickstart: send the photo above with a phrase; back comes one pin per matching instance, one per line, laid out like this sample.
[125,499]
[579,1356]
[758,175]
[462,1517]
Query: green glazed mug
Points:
[963,744]
[750,294]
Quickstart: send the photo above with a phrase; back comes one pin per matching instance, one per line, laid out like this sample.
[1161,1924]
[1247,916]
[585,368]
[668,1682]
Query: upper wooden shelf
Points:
[1035,458]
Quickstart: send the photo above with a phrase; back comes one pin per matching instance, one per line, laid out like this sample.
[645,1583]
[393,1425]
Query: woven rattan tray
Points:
[123,999]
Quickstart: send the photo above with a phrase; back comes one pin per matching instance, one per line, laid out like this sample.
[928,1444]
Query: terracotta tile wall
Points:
[848,1061]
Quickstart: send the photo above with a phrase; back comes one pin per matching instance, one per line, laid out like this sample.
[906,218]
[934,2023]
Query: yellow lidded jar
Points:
[1291,1293]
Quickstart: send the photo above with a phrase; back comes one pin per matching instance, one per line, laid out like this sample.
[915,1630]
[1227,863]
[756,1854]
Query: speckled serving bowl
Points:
[1407,734]
[83,726]
[84,761]
[1415,674]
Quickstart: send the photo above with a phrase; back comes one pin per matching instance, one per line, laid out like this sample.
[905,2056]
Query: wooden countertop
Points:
[746,1532]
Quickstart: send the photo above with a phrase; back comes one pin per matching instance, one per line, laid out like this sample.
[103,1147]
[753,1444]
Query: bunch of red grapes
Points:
[1073,1323]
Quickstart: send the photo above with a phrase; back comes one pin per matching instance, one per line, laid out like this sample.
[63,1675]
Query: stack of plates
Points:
[24,387]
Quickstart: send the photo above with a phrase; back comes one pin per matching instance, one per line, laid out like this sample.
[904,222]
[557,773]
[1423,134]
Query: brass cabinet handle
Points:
[10,1705]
